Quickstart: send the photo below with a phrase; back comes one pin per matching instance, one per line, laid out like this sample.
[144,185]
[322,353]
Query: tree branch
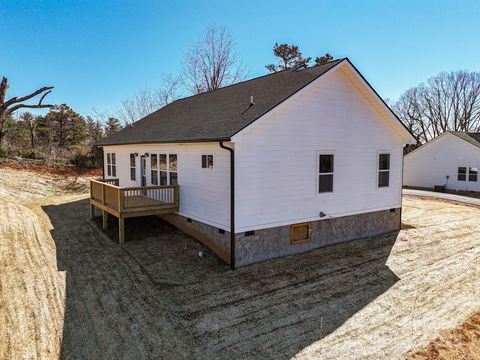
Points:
[15,100]
[20,106]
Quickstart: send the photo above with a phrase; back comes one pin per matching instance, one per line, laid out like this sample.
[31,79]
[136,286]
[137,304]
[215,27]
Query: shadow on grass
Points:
[155,298]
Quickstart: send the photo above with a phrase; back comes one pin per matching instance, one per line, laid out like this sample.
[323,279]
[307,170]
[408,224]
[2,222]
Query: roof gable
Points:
[471,138]
[364,89]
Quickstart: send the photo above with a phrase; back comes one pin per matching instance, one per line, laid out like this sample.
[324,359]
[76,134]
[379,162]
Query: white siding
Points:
[432,163]
[204,193]
[276,158]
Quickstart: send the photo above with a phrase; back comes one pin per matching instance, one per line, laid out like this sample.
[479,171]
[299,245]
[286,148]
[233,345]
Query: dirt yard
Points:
[68,291]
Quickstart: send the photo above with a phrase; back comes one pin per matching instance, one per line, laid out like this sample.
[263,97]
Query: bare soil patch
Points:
[69,291]
[463,342]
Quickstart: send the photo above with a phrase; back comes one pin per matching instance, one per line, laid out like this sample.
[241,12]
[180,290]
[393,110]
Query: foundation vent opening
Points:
[221,231]
[189,220]
[250,233]
[300,233]
[393,210]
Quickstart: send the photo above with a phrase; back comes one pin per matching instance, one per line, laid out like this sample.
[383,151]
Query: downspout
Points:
[232,203]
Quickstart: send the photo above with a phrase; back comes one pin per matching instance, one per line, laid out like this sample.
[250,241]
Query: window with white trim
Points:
[207,161]
[462,173]
[383,170]
[154,168]
[325,173]
[472,174]
[163,169]
[111,164]
[172,169]
[133,171]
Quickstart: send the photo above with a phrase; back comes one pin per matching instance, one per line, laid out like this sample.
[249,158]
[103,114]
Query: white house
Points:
[272,166]
[451,159]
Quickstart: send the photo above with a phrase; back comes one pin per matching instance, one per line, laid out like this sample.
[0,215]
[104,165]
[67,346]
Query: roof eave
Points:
[162,142]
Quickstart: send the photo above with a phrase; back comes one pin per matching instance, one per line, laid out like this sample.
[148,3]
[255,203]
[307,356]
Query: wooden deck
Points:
[122,203]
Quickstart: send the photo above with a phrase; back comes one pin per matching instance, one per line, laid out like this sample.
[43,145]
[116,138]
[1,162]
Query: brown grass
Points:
[68,291]
[42,168]
[462,342]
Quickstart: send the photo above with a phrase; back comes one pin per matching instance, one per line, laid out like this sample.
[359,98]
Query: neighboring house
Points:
[277,165]
[451,159]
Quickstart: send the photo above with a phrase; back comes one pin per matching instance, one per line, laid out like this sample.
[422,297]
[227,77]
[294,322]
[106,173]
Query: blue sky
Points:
[97,52]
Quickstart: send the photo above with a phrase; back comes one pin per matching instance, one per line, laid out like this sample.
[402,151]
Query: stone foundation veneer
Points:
[274,242]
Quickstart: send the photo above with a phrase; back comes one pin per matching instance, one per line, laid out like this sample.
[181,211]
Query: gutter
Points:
[232,203]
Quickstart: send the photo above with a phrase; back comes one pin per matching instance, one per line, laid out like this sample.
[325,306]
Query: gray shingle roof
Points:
[218,114]
[471,137]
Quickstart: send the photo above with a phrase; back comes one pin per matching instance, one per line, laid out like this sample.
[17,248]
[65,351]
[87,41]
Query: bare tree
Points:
[446,102]
[212,62]
[30,123]
[7,107]
[148,100]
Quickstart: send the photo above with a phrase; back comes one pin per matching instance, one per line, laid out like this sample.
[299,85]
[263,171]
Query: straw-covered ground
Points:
[68,291]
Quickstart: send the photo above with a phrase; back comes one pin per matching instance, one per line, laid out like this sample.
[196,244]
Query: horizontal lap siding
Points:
[276,159]
[429,165]
[204,194]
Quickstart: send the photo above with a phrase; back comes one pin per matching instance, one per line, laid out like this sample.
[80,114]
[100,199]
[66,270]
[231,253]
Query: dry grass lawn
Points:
[68,291]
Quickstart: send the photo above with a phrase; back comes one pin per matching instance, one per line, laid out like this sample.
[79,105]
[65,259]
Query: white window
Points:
[111,165]
[472,174]
[164,169]
[154,168]
[325,173]
[383,170]
[207,161]
[133,172]
[172,169]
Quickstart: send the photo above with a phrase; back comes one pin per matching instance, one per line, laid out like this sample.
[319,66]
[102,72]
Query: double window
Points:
[325,173]
[133,172]
[111,164]
[472,173]
[207,161]
[164,169]
[383,170]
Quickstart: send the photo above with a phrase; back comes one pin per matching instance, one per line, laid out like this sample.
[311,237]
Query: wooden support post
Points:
[121,230]
[92,211]
[105,219]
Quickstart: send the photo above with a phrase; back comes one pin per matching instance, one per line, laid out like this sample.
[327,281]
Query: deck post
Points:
[104,219]
[92,211]
[121,230]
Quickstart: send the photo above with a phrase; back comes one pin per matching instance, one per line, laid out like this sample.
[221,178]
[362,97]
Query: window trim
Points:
[167,170]
[317,172]
[476,174]
[465,174]
[111,164]
[377,168]
[134,167]
[213,161]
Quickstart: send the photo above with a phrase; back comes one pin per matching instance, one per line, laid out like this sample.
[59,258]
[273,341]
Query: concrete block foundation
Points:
[270,243]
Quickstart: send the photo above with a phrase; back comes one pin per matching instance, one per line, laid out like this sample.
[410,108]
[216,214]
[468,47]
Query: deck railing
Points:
[108,193]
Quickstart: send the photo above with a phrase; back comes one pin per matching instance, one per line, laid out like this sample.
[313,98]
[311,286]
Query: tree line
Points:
[445,102]
[449,101]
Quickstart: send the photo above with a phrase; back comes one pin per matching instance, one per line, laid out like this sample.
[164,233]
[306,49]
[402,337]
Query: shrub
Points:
[32,154]
[86,158]
[4,152]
